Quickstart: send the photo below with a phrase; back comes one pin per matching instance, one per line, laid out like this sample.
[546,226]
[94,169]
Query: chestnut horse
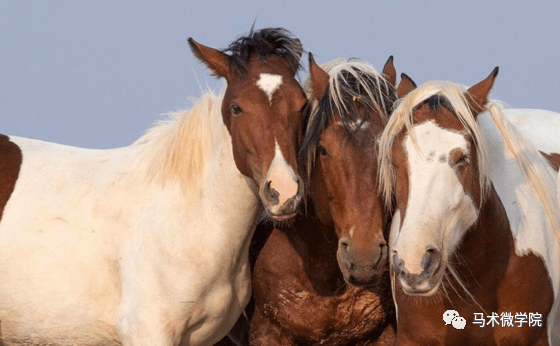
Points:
[148,244]
[304,276]
[474,238]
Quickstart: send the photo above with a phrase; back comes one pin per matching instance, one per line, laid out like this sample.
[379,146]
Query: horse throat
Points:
[483,255]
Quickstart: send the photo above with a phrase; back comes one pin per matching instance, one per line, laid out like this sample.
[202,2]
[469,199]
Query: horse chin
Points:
[280,221]
[362,282]
[282,217]
[426,289]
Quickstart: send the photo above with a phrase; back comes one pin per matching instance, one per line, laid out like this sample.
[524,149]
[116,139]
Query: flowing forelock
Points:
[533,166]
[402,118]
[351,81]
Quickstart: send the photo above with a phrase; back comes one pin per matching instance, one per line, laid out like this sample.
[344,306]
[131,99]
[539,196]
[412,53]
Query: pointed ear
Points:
[405,86]
[214,59]
[477,95]
[318,77]
[389,72]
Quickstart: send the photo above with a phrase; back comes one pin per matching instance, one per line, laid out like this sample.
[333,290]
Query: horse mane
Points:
[454,96]
[351,81]
[178,149]
[264,43]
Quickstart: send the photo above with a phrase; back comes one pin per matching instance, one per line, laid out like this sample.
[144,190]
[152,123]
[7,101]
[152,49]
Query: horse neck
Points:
[315,245]
[484,253]
[229,191]
[231,198]
[221,202]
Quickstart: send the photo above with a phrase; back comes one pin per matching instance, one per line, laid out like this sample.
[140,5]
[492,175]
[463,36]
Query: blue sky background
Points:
[99,73]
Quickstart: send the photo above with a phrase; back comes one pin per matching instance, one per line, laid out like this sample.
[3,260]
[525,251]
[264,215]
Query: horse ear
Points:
[405,86]
[318,77]
[214,59]
[389,72]
[477,95]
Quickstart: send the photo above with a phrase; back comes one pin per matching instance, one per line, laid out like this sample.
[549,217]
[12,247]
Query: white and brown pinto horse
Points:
[476,222]
[148,244]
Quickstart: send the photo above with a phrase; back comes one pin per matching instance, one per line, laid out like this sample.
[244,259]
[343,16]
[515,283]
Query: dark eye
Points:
[322,150]
[462,159]
[235,109]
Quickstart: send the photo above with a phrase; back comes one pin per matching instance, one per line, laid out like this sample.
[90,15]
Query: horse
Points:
[148,244]
[324,279]
[474,239]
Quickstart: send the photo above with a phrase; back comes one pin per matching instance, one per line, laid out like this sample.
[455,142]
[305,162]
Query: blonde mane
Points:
[527,156]
[179,148]
[364,73]
[369,85]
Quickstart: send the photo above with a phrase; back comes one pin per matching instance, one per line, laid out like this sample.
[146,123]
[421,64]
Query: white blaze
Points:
[269,83]
[282,177]
[438,210]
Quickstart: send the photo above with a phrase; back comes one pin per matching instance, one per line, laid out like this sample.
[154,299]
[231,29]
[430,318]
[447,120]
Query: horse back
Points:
[55,255]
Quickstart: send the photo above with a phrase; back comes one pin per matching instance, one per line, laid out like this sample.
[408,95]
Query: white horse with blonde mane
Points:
[476,228]
[95,238]
[148,244]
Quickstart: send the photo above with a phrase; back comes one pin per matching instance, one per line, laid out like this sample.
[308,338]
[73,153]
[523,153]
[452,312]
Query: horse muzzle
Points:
[281,199]
[426,282]
[361,268]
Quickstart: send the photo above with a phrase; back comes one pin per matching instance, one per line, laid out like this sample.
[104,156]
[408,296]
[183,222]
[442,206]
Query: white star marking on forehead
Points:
[269,83]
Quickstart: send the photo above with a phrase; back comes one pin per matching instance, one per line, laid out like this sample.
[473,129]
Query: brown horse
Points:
[305,276]
[474,239]
[262,109]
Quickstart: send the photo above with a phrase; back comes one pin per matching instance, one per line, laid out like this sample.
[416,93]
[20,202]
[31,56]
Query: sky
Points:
[97,74]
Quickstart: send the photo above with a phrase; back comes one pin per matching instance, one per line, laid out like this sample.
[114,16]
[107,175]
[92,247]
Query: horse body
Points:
[499,248]
[88,232]
[304,275]
[148,244]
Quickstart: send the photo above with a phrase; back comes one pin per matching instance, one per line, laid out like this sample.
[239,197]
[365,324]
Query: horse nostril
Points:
[430,260]
[300,187]
[431,249]
[344,244]
[270,194]
[398,263]
[383,249]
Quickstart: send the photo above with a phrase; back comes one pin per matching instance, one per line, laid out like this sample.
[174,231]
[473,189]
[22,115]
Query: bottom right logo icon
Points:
[452,317]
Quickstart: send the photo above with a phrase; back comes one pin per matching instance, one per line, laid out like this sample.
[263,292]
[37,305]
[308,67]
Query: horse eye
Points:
[235,109]
[322,150]
[462,159]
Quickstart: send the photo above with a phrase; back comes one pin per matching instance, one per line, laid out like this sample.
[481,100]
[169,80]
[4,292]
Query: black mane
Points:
[353,93]
[264,43]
